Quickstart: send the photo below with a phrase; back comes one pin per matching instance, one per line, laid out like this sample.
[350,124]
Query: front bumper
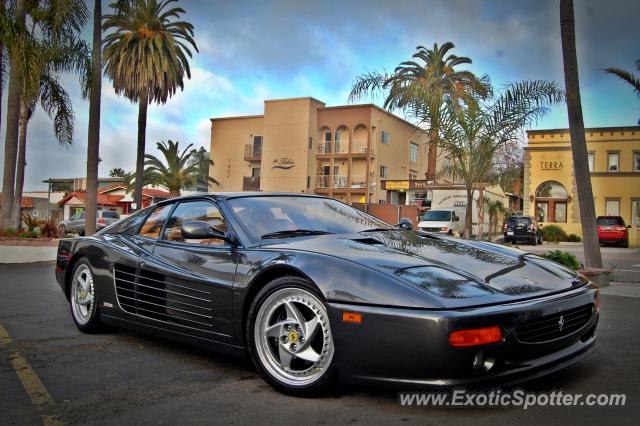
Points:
[409,348]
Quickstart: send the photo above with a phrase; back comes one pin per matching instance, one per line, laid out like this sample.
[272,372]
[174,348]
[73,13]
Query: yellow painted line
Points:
[31,383]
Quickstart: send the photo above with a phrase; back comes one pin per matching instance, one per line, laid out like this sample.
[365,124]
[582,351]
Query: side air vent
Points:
[151,295]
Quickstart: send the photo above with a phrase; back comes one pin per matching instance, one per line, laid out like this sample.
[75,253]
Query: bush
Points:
[563,258]
[49,229]
[29,221]
[573,238]
[26,233]
[554,234]
[8,232]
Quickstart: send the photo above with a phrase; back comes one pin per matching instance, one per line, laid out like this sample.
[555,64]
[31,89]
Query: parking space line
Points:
[31,383]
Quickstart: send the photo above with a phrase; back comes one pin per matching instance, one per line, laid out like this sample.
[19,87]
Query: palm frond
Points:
[630,78]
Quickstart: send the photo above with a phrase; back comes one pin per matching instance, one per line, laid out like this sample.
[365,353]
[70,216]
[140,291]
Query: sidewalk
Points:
[27,250]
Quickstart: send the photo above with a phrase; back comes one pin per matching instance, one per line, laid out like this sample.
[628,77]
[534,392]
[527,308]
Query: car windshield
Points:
[437,216]
[609,221]
[110,215]
[268,215]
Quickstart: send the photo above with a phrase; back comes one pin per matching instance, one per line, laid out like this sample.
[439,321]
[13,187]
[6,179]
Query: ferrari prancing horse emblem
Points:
[561,323]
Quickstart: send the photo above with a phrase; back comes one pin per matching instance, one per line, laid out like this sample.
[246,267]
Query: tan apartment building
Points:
[301,145]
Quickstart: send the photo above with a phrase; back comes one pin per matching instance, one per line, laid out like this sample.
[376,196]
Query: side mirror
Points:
[628,226]
[200,230]
[456,219]
[404,224]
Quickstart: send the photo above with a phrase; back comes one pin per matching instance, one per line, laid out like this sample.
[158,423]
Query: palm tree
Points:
[633,80]
[13,115]
[421,86]
[179,171]
[93,137]
[202,159]
[472,135]
[117,172]
[146,56]
[48,48]
[592,254]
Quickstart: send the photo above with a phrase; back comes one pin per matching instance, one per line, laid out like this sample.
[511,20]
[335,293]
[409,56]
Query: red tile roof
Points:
[103,200]
[27,202]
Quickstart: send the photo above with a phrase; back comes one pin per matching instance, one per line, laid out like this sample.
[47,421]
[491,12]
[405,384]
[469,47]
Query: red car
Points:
[612,230]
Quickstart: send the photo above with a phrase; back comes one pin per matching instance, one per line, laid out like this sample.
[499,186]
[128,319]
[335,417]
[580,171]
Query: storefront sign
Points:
[551,165]
[396,185]
[284,163]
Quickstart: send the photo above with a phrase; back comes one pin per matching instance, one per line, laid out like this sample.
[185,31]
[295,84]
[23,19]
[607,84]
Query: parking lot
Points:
[52,373]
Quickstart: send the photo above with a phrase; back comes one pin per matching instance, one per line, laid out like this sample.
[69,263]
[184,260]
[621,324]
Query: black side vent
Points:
[151,295]
[368,241]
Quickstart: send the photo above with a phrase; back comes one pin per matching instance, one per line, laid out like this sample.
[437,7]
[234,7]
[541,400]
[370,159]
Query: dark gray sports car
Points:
[313,290]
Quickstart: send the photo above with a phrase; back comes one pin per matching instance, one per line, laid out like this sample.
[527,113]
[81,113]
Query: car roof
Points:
[248,194]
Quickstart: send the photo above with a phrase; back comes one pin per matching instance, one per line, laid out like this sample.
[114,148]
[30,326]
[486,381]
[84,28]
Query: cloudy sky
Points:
[256,50]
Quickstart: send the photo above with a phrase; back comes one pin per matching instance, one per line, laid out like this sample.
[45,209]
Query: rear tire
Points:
[283,314]
[83,299]
[625,243]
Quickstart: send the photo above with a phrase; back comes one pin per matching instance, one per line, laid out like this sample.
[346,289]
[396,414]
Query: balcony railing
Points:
[252,152]
[358,182]
[339,182]
[251,183]
[323,181]
[341,148]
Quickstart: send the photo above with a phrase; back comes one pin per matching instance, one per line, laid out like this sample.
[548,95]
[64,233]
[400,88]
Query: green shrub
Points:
[573,238]
[554,234]
[8,232]
[26,233]
[563,258]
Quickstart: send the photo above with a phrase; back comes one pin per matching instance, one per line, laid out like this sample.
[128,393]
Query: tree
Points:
[420,87]
[13,115]
[48,48]
[117,172]
[202,160]
[93,137]
[633,80]
[178,170]
[592,254]
[146,56]
[472,135]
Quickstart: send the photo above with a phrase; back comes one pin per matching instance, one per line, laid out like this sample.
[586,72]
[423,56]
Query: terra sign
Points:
[284,163]
[551,165]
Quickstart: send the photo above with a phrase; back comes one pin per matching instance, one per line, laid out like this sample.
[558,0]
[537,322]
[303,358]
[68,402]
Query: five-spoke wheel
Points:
[290,336]
[83,298]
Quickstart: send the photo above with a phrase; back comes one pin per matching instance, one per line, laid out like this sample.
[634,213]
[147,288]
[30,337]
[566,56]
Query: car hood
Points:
[433,223]
[456,272]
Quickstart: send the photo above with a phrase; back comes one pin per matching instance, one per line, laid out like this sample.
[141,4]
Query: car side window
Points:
[195,210]
[153,225]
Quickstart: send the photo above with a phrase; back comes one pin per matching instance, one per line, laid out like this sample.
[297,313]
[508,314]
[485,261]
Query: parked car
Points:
[75,224]
[612,230]
[521,228]
[306,286]
[445,221]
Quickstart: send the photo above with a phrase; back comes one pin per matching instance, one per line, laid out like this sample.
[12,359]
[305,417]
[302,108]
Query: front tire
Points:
[83,299]
[289,337]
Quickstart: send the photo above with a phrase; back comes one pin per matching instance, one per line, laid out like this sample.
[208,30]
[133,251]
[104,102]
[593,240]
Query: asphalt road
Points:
[128,378]
[625,262]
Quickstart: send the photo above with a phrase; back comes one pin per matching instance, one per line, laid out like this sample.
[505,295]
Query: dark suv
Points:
[521,228]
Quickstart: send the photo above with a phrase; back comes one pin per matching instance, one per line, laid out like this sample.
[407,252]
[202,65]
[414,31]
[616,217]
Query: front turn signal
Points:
[475,336]
[352,317]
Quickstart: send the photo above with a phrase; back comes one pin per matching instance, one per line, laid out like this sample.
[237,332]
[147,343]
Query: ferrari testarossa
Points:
[314,290]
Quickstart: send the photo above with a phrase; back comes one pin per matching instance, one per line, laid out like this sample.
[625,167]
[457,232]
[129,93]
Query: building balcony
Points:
[342,149]
[341,182]
[251,183]
[252,152]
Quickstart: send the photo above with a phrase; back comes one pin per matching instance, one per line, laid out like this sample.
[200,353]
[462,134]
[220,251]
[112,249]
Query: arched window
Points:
[551,189]
[551,202]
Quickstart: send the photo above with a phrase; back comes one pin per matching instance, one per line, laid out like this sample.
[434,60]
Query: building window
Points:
[413,152]
[636,161]
[591,162]
[612,208]
[382,202]
[308,182]
[384,137]
[613,161]
[384,171]
[413,176]
[310,143]
[635,212]
[551,202]
[257,140]
[327,136]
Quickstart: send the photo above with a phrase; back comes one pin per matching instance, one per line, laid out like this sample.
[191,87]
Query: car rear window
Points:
[609,221]
[110,215]
[517,220]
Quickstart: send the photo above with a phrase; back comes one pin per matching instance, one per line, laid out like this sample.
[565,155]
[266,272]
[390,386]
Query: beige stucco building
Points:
[301,145]
[550,192]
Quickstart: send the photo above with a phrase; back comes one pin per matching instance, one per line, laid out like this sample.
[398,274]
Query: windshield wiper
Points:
[293,233]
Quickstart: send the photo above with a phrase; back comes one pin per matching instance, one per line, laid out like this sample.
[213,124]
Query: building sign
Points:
[551,165]
[284,163]
[396,185]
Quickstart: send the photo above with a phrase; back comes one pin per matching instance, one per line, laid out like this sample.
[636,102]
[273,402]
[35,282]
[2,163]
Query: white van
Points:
[446,221]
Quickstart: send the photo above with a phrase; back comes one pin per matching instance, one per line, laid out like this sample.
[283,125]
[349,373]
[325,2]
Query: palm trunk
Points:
[480,213]
[11,135]
[16,221]
[468,220]
[174,193]
[592,254]
[93,142]
[432,156]
[142,127]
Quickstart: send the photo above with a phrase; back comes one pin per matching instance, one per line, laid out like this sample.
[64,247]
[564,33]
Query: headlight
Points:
[444,228]
[444,282]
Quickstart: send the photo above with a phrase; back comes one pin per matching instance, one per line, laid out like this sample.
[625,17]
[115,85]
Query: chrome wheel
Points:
[82,294]
[293,338]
